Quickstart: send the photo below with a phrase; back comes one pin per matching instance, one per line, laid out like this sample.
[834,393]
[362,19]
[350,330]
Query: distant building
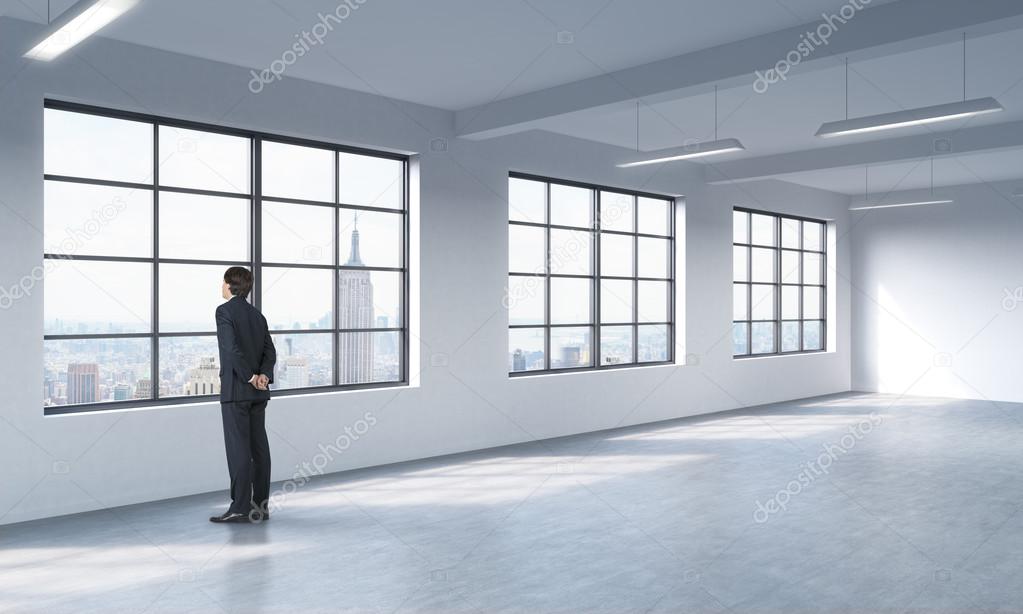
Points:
[144,388]
[82,383]
[295,372]
[519,361]
[571,355]
[122,392]
[355,311]
[204,379]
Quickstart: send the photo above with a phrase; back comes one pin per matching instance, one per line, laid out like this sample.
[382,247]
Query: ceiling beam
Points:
[954,142]
[880,30]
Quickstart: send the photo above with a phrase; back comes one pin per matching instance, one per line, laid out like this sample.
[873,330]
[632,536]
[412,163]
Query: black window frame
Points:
[254,263]
[595,277]
[779,283]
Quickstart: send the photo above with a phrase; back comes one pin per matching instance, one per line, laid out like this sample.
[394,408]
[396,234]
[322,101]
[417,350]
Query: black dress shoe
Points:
[230,517]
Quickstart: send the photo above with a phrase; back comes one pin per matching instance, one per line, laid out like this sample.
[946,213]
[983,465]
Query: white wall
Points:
[463,398]
[930,308]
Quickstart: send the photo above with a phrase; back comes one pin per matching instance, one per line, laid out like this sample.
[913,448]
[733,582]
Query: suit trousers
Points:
[248,454]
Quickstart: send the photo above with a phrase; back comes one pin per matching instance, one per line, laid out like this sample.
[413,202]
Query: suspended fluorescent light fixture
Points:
[76,24]
[1018,193]
[917,203]
[686,152]
[909,117]
[689,151]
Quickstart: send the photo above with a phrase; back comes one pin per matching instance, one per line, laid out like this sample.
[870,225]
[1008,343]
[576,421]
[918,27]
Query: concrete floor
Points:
[921,513]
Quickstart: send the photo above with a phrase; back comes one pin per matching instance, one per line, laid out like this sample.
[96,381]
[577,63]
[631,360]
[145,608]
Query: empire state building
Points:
[355,311]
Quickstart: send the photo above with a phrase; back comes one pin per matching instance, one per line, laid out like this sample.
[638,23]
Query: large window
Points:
[779,266]
[142,217]
[591,276]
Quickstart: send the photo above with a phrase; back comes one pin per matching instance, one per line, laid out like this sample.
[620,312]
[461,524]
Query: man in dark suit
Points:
[247,358]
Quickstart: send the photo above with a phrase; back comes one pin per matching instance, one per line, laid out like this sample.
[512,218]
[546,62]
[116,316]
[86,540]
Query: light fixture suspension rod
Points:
[715,112]
[847,88]
[964,65]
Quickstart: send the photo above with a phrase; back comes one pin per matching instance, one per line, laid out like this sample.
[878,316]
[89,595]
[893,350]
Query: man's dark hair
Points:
[239,279]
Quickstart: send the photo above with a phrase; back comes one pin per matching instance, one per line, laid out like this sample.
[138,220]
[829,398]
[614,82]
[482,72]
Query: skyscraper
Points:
[519,361]
[122,392]
[355,311]
[144,388]
[295,370]
[204,379]
[82,382]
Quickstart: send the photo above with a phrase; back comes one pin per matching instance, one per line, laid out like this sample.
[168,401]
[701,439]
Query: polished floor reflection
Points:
[847,502]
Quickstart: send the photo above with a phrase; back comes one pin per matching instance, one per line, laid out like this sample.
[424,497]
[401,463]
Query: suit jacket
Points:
[246,349]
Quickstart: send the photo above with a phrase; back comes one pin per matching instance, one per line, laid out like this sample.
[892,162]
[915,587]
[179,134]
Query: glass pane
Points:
[790,336]
[297,299]
[204,160]
[790,302]
[369,357]
[653,257]
[617,211]
[371,181]
[763,338]
[654,216]
[740,227]
[85,297]
[740,264]
[525,349]
[740,340]
[293,171]
[789,267]
[615,345]
[764,264]
[379,239]
[527,200]
[526,300]
[789,233]
[189,297]
[811,303]
[204,227]
[813,272]
[652,345]
[369,299]
[526,250]
[571,347]
[740,304]
[813,236]
[571,206]
[653,301]
[813,335]
[299,234]
[94,147]
[764,229]
[92,220]
[303,361]
[763,302]
[615,301]
[570,300]
[616,255]
[189,366]
[96,370]
[570,252]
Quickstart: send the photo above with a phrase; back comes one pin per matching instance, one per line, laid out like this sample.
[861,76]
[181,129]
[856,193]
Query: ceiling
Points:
[465,54]
[451,54]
